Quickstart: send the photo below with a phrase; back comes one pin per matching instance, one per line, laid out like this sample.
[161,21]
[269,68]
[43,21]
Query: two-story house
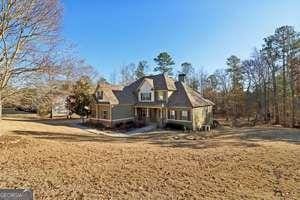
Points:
[156,98]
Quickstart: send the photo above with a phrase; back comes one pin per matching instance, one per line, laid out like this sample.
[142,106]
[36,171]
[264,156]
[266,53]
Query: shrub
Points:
[175,126]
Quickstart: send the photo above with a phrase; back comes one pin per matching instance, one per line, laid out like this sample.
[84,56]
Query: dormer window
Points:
[99,95]
[145,96]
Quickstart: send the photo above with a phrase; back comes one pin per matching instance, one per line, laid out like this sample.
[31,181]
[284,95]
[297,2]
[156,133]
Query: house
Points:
[151,99]
[59,105]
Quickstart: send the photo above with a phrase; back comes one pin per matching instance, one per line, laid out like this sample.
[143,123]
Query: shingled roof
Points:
[185,96]
[109,92]
[182,96]
[162,82]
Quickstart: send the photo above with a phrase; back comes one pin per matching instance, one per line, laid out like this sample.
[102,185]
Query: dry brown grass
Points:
[62,162]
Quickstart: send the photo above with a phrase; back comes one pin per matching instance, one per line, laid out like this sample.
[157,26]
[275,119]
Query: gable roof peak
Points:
[186,96]
[160,81]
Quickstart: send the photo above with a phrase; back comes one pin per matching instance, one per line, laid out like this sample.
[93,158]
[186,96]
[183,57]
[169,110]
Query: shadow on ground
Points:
[245,137]
[52,122]
[272,134]
[163,140]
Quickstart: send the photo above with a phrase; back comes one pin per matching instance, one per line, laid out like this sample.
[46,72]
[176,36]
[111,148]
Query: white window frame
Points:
[106,114]
[184,115]
[172,114]
[149,94]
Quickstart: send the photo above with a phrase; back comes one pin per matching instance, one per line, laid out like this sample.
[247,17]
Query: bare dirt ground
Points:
[62,162]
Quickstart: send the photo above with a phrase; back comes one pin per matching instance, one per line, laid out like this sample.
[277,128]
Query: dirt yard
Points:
[58,161]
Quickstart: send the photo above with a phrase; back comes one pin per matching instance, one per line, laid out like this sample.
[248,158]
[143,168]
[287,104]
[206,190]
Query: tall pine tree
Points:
[164,63]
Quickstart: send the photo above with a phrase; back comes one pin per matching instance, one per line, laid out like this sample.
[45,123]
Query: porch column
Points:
[97,111]
[166,114]
[161,120]
[147,115]
[161,115]
[135,112]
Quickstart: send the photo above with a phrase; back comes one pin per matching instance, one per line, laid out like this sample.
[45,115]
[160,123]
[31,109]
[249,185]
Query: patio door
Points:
[153,114]
[142,114]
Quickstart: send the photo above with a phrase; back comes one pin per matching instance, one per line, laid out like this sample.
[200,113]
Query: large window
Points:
[104,114]
[146,96]
[99,95]
[172,114]
[184,115]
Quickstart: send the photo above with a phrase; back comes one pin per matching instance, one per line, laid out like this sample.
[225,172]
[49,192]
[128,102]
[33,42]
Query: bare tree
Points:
[294,74]
[29,30]
[201,80]
[270,55]
[256,77]
[223,87]
[128,74]
[113,77]
[237,95]
[59,78]
[285,37]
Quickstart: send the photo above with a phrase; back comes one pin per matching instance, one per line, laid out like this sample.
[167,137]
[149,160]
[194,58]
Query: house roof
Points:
[160,82]
[179,98]
[150,81]
[109,92]
[196,98]
[185,96]
[182,96]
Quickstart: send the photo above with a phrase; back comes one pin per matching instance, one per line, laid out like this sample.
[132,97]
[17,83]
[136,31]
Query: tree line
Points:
[262,88]
[35,65]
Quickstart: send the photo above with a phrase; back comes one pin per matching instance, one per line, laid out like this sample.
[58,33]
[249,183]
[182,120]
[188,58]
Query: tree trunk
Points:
[284,89]
[265,103]
[292,84]
[276,110]
[260,103]
[293,106]
[268,102]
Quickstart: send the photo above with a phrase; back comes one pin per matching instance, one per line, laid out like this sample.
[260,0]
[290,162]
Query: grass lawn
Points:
[59,161]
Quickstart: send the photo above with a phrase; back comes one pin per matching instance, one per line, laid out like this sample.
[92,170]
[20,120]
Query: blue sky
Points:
[111,33]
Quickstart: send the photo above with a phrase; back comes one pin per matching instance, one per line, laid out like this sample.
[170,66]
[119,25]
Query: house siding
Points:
[188,123]
[202,116]
[146,88]
[165,95]
[115,114]
[122,112]
[100,108]
[97,115]
[197,117]
[178,112]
